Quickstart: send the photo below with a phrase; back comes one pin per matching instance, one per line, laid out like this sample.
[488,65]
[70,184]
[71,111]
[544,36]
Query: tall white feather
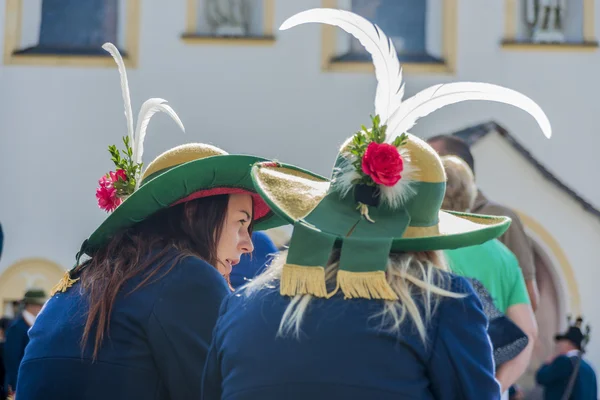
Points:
[148,109]
[114,52]
[438,96]
[390,88]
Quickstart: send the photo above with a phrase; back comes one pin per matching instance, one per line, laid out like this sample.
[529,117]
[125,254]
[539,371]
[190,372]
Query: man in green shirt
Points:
[496,268]
[492,264]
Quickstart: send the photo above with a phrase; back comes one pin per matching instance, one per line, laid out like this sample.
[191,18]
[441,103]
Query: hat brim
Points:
[292,193]
[228,171]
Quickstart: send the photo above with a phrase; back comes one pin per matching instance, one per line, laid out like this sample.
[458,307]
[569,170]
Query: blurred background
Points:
[239,83]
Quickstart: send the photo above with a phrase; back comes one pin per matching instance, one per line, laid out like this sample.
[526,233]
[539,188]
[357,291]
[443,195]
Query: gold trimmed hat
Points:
[387,185]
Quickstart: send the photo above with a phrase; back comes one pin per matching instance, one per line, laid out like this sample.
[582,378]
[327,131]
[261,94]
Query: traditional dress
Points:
[158,335]
[384,200]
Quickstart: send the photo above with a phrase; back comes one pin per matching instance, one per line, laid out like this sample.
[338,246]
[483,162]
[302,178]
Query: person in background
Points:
[566,375]
[493,265]
[254,263]
[515,237]
[4,324]
[17,338]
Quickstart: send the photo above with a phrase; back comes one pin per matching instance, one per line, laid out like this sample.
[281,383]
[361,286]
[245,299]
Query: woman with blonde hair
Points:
[362,305]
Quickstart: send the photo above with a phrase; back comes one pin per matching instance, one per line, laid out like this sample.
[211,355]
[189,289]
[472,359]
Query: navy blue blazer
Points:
[157,345]
[342,353]
[554,377]
[14,348]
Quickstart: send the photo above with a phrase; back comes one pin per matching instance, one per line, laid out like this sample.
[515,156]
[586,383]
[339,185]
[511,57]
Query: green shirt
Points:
[496,267]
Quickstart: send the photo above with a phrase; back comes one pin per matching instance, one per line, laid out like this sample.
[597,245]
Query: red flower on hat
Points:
[120,174]
[383,163]
[107,195]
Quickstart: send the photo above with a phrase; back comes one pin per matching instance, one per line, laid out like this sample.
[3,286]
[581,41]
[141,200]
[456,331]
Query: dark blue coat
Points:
[554,377]
[159,339]
[254,263]
[14,348]
[342,353]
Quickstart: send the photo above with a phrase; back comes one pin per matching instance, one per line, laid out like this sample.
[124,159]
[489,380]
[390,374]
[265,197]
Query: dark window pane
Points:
[78,24]
[404,21]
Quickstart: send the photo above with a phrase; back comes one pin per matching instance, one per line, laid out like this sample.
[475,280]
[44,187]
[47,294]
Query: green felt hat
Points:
[35,296]
[181,174]
[387,186]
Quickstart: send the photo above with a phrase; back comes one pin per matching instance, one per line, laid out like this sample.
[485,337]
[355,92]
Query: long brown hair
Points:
[193,228]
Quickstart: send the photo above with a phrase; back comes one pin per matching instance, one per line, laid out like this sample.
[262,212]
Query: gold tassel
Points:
[65,282]
[364,211]
[365,285]
[299,279]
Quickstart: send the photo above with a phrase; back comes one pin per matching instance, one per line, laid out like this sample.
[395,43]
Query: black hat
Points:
[35,296]
[574,334]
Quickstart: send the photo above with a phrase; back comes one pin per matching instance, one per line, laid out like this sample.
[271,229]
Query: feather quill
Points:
[114,52]
[390,88]
[148,109]
[438,96]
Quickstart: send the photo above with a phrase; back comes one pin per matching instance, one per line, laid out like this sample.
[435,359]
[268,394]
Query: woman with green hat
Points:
[361,306]
[134,320]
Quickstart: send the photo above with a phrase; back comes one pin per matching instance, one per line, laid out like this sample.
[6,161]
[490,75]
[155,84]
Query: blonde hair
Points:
[412,276]
[461,190]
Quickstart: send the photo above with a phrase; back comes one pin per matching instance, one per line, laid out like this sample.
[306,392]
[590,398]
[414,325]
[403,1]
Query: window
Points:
[70,32]
[554,25]
[423,32]
[233,21]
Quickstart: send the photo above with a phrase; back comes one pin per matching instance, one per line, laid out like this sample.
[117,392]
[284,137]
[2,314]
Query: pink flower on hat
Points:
[106,193]
[107,197]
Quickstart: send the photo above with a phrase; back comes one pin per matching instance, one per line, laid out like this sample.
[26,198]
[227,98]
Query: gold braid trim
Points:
[299,279]
[65,282]
[365,285]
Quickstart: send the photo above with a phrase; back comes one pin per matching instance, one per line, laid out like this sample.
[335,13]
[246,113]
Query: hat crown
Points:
[179,155]
[423,176]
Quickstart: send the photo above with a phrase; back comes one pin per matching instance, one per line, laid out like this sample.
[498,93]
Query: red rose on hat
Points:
[119,175]
[383,163]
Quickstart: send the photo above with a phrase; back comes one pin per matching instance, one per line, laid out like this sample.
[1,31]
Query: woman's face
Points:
[235,239]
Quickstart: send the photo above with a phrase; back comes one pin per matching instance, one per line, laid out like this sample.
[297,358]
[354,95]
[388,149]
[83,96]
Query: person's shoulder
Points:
[191,268]
[453,282]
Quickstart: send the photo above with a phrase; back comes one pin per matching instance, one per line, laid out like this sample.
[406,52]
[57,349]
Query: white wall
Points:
[506,177]
[56,123]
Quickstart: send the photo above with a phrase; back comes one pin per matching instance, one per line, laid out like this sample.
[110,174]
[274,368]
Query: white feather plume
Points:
[114,52]
[148,109]
[344,175]
[438,96]
[390,88]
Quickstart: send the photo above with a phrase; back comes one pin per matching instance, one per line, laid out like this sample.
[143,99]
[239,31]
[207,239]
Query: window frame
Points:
[13,19]
[510,41]
[449,47]
[192,37]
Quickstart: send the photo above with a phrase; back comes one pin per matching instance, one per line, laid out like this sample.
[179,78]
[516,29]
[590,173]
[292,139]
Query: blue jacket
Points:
[253,264]
[554,377]
[157,345]
[342,353]
[14,348]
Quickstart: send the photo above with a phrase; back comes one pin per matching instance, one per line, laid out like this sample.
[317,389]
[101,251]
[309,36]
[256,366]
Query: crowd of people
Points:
[399,279]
